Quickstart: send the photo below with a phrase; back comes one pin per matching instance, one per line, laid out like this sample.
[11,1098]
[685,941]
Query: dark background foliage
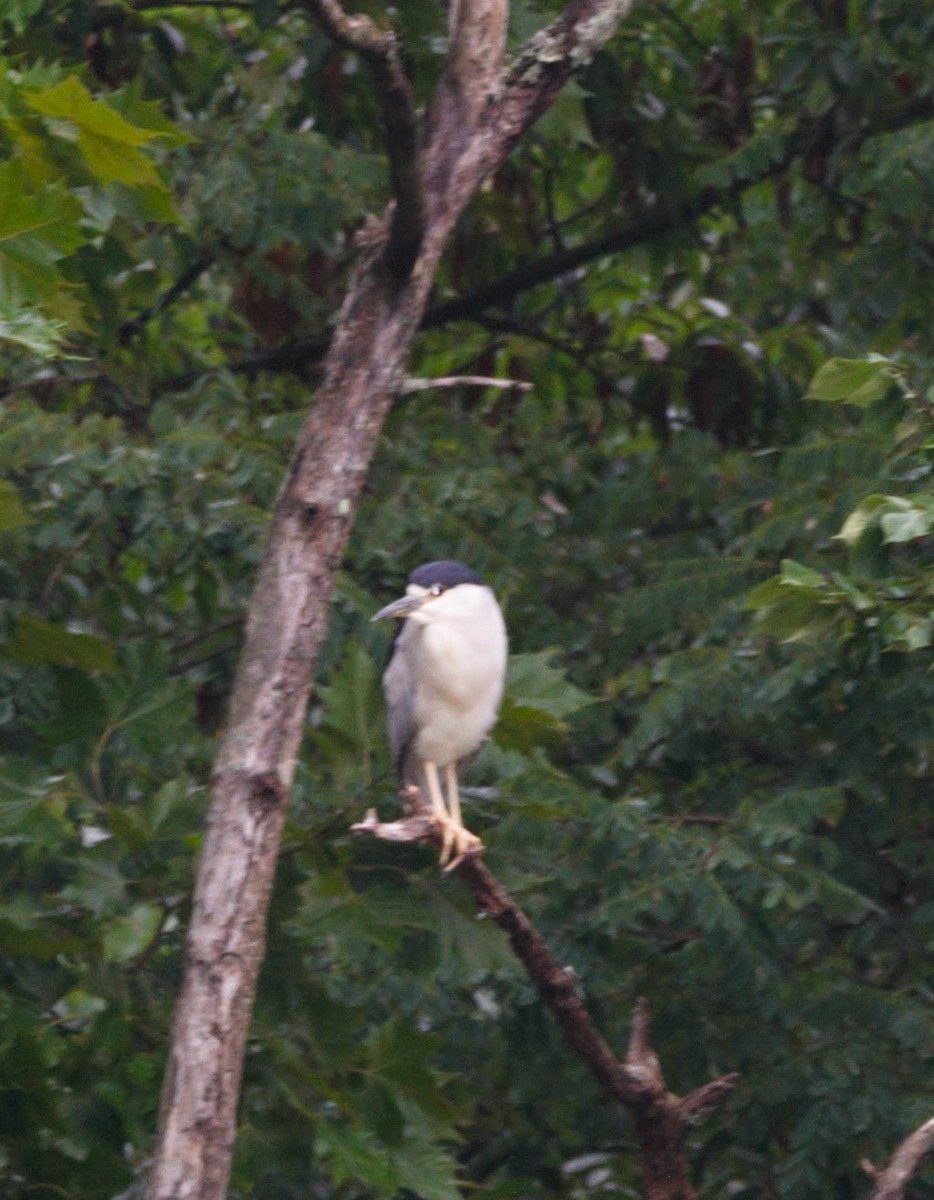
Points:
[709,523]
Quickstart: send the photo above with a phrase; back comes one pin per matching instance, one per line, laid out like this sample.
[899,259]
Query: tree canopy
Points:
[709,522]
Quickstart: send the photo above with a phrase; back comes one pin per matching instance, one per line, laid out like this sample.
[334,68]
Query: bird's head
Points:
[435,591]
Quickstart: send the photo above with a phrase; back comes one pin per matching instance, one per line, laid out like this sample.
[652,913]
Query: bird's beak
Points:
[401,608]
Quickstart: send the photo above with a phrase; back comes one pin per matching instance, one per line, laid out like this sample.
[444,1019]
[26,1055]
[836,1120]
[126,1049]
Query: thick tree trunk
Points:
[476,118]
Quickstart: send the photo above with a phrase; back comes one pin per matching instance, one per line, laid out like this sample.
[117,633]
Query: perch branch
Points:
[380,49]
[890,1182]
[661,1119]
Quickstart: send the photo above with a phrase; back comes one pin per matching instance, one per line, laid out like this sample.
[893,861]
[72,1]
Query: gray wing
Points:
[398,689]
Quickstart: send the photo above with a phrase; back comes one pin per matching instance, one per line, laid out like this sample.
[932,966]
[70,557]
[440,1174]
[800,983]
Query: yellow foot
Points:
[464,844]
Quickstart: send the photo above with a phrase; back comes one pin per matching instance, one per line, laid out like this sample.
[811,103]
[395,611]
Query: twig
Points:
[444,381]
[889,1183]
[381,50]
[204,635]
[150,5]
[187,278]
[510,327]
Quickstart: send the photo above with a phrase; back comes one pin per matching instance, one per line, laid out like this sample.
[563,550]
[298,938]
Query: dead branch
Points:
[661,1119]
[890,1182]
[412,384]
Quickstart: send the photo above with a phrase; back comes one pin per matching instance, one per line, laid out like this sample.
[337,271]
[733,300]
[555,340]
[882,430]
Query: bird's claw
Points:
[455,838]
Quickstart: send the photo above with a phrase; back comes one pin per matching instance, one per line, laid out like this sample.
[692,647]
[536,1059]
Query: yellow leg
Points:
[465,842]
[441,815]
[454,798]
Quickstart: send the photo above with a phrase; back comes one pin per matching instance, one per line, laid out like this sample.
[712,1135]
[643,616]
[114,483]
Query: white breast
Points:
[459,656]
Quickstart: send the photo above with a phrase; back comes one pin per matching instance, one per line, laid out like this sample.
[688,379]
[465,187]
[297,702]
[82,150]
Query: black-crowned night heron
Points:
[443,686]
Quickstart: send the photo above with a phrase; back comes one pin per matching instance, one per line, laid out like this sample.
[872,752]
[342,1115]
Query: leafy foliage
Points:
[710,524]
[66,147]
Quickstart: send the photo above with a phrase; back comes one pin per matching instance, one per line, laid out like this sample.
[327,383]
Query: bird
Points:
[443,687]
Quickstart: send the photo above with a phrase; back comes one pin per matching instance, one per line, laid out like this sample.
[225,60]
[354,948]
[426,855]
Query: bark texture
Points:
[891,1181]
[476,117]
[661,1119]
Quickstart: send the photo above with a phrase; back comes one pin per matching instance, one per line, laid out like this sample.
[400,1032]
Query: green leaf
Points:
[79,708]
[907,521]
[27,934]
[37,229]
[109,143]
[532,683]
[538,698]
[864,517]
[852,381]
[791,617]
[350,1154]
[400,1054]
[98,886]
[12,512]
[353,701]
[522,728]
[765,594]
[147,114]
[858,598]
[32,331]
[128,936]
[908,632]
[77,1006]
[381,1112]
[380,915]
[900,519]
[474,947]
[428,1170]
[39,643]
[794,574]
[798,809]
[31,809]
[19,12]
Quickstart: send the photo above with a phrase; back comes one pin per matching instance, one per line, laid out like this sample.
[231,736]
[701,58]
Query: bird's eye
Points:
[436,589]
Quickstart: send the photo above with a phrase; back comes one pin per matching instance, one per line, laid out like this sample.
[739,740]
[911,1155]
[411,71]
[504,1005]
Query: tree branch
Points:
[890,1182]
[542,67]
[295,356]
[152,5]
[413,384]
[187,279]
[552,266]
[589,362]
[380,49]
[661,1120]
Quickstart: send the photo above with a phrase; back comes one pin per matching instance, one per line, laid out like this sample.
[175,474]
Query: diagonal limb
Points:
[662,1121]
